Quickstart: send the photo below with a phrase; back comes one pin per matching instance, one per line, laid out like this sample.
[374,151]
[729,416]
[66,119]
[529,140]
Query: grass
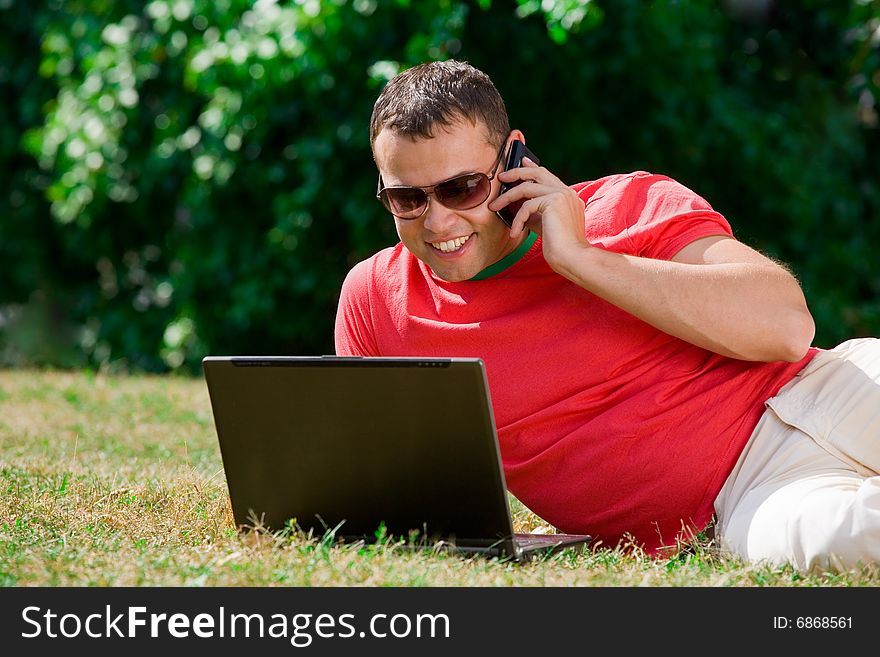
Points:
[110,480]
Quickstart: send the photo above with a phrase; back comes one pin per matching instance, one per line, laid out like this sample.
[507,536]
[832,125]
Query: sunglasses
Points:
[460,193]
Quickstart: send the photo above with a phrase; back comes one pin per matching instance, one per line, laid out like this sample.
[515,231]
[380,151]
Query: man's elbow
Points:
[799,329]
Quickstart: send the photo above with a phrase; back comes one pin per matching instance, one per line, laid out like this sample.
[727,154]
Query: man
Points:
[650,375]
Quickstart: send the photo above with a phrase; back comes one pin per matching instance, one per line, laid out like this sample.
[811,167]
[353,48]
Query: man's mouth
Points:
[450,245]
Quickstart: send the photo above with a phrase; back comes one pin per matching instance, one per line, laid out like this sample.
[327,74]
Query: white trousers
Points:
[806,488]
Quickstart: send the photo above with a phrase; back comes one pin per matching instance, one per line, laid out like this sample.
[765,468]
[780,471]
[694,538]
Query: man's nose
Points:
[438,217]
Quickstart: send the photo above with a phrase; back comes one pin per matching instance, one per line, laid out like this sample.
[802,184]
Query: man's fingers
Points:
[530,207]
[525,190]
[531,173]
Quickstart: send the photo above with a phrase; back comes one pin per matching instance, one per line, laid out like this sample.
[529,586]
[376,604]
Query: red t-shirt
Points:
[606,425]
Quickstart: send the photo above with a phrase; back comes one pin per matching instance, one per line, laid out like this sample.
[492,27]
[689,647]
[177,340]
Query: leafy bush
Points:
[188,177]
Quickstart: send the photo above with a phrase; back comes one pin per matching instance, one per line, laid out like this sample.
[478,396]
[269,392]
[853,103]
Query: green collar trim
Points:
[507,260]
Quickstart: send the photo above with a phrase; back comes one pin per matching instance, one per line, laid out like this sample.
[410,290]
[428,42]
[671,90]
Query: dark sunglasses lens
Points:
[404,202]
[464,192]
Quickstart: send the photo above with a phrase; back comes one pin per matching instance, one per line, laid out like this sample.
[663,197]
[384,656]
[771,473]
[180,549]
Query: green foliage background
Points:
[184,177]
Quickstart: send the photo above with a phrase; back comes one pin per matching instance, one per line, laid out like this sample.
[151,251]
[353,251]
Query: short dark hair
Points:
[439,93]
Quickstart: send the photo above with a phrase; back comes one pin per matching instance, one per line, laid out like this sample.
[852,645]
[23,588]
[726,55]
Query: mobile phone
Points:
[515,154]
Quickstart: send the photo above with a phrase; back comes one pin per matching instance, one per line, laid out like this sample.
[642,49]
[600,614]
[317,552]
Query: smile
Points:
[451,245]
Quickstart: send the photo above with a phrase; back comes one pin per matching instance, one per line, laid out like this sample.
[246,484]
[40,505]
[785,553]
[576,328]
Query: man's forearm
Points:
[750,311]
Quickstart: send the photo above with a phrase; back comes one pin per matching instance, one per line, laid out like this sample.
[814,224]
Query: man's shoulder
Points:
[608,204]
[376,267]
[616,204]
[617,184]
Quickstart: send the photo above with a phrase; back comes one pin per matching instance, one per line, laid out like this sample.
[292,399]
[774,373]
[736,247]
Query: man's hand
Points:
[551,209]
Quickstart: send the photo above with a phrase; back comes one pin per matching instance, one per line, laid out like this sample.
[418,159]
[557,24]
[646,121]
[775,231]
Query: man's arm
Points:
[716,292]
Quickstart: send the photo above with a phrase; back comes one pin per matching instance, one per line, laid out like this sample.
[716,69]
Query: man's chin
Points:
[451,275]
[453,271]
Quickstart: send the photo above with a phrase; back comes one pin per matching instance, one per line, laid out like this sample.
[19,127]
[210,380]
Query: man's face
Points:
[454,150]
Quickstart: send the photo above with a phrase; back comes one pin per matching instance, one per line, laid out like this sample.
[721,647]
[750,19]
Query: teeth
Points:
[451,245]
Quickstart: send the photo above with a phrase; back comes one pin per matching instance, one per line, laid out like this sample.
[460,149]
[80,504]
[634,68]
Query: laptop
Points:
[367,447]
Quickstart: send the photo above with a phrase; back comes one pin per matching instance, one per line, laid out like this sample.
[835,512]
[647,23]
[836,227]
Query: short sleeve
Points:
[663,216]
[646,214]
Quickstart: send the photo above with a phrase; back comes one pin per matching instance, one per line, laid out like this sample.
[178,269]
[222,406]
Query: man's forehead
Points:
[431,163]
[458,142]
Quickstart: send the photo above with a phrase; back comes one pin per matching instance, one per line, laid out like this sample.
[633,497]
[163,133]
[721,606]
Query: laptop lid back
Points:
[408,443]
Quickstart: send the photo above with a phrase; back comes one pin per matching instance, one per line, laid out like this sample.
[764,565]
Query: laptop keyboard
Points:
[541,540]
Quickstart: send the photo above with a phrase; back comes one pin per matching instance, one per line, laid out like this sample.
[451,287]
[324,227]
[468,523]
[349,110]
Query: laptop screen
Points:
[356,444]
